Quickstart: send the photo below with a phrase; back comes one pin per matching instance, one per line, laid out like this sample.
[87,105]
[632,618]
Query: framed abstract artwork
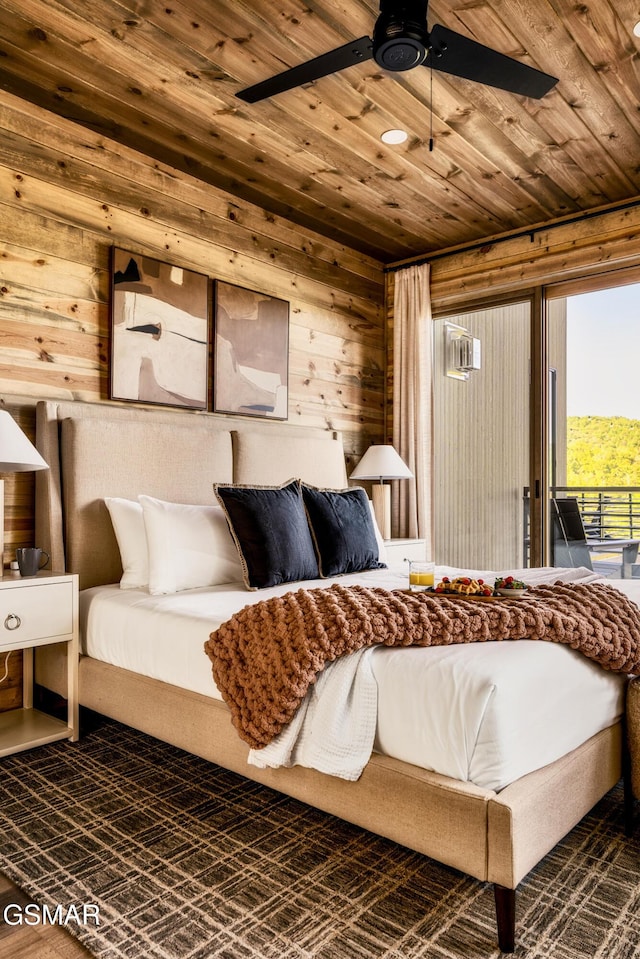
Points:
[160,323]
[251,353]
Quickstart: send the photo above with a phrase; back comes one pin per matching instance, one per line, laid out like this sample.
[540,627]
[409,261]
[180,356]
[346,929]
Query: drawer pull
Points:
[12,621]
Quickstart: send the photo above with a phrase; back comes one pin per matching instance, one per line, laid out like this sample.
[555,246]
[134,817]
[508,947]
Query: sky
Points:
[603,353]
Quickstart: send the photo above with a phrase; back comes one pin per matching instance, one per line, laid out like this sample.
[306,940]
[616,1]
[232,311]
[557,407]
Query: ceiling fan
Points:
[401,41]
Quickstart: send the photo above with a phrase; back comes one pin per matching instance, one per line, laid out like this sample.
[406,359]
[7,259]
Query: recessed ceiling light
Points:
[393,136]
[636,29]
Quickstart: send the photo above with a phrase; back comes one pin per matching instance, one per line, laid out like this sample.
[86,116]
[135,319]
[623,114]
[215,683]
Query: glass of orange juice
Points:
[421,576]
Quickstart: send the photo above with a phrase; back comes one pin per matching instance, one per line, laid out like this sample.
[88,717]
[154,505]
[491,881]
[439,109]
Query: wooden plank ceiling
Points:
[162,78]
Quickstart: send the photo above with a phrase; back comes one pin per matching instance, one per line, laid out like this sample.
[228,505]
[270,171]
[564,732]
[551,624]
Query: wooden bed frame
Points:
[97,450]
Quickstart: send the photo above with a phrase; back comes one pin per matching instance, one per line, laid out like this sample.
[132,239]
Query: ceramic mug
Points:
[30,560]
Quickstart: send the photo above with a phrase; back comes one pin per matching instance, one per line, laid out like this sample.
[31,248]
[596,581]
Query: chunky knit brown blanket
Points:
[267,655]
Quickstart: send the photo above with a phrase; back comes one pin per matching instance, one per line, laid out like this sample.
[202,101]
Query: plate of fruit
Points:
[510,587]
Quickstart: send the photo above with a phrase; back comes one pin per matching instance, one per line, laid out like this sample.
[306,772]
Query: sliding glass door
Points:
[594,488]
[481,436]
[536,443]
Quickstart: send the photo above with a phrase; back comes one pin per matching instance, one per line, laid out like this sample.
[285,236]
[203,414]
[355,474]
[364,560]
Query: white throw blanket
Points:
[334,728]
[335,725]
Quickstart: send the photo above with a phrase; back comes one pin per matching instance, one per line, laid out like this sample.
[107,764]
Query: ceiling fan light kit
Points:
[402,41]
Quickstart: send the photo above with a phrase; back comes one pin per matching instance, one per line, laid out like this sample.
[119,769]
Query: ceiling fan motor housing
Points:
[400,36]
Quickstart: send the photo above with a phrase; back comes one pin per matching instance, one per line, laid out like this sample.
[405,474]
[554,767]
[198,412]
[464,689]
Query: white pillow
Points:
[188,546]
[128,525]
[382,549]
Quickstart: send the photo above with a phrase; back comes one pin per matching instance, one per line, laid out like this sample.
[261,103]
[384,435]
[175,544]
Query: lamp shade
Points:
[381,462]
[17,453]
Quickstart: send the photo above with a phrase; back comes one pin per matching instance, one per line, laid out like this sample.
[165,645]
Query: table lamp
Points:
[17,455]
[382,463]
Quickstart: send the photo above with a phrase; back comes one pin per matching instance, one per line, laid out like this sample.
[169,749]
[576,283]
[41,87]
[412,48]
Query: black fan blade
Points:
[351,53]
[458,55]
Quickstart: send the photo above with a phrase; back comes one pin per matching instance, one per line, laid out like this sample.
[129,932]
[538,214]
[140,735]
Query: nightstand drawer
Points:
[34,612]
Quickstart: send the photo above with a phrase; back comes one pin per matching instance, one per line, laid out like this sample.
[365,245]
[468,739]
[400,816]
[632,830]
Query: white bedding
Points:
[486,713]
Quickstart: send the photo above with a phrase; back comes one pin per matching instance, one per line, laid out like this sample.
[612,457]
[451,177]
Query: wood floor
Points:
[33,942]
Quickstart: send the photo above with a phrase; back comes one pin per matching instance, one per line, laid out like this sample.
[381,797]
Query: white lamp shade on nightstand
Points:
[382,463]
[17,455]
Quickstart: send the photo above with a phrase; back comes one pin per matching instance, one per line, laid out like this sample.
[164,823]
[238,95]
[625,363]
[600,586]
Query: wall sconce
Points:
[462,352]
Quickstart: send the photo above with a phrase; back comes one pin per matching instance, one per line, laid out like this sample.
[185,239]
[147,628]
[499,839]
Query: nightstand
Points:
[38,611]
[400,549]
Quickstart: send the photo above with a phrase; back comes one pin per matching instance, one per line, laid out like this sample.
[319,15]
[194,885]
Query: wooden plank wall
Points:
[595,244]
[67,195]
[598,244]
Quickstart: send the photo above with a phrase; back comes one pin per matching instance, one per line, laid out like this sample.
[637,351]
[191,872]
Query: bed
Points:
[495,828]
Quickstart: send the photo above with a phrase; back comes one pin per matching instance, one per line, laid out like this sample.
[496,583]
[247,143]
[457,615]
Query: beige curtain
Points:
[413,403]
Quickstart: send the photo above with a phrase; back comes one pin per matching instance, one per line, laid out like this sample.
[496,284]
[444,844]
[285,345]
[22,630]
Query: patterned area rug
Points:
[188,861]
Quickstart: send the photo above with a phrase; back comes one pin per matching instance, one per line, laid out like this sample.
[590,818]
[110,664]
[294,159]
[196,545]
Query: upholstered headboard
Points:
[99,450]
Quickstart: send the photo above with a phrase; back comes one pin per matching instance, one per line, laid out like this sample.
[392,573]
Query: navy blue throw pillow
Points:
[342,528]
[269,526]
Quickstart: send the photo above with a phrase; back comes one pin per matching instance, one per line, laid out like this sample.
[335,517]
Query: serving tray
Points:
[474,597]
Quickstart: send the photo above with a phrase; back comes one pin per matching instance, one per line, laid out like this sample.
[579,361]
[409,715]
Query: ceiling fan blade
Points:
[346,56]
[458,55]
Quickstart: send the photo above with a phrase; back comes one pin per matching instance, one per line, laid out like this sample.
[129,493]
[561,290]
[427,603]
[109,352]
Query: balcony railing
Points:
[608,512]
